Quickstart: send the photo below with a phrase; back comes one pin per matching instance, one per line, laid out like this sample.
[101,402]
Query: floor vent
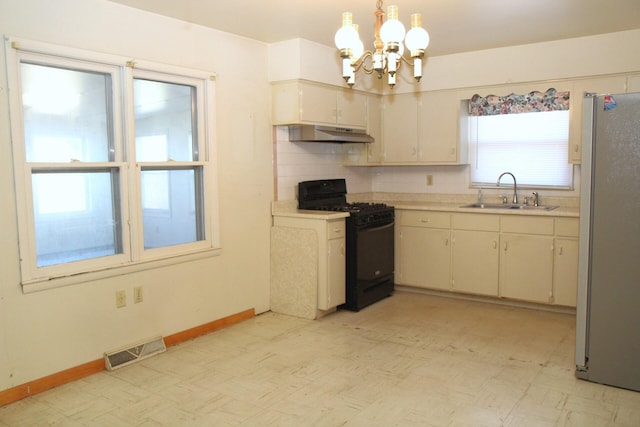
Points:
[119,358]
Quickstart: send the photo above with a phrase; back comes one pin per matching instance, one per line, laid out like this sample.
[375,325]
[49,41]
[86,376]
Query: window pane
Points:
[165,111]
[66,114]
[75,216]
[533,146]
[172,207]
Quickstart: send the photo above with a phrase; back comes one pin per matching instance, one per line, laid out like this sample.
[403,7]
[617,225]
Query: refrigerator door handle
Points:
[582,315]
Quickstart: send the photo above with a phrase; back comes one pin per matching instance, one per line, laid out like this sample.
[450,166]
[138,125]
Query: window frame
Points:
[122,127]
[470,140]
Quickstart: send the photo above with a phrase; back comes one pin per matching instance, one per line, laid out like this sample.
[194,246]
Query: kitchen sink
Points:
[508,206]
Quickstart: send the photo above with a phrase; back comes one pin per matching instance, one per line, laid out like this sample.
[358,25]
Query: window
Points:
[518,135]
[114,162]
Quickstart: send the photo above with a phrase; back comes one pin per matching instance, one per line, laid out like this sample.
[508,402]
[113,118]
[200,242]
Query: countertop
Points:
[564,211]
[567,207]
[289,208]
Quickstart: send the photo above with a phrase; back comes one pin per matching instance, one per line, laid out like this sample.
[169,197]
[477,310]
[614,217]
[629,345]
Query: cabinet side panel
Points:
[294,271]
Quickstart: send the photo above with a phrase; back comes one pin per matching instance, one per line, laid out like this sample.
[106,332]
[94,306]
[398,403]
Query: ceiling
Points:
[453,25]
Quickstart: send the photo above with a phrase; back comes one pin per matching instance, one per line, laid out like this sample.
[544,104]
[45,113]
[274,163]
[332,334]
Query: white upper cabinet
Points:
[374,128]
[439,126]
[351,108]
[400,128]
[423,129]
[599,85]
[633,83]
[298,102]
[366,154]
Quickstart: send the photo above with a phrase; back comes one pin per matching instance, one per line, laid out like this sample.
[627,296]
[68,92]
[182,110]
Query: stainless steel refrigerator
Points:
[608,307]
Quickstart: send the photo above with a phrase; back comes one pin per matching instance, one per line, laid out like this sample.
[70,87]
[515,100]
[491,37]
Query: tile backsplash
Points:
[304,161]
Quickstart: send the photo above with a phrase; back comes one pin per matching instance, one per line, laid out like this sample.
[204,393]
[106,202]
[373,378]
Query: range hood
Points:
[315,133]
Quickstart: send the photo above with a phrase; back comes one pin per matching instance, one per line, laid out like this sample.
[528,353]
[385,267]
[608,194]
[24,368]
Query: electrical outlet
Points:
[121,299]
[137,294]
[429,180]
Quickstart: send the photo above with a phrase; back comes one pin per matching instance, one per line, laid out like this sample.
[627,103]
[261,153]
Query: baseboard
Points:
[487,299]
[77,372]
[50,381]
[207,328]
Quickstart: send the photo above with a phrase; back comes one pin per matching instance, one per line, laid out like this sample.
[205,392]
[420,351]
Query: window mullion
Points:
[133,195]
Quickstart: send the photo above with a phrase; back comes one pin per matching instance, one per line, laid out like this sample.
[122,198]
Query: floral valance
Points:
[492,105]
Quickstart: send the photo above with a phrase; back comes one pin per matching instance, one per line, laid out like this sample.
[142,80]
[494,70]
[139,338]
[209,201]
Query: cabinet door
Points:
[425,257]
[633,83]
[475,256]
[438,125]
[400,128]
[565,272]
[374,128]
[285,108]
[336,275]
[526,267]
[318,104]
[362,154]
[351,108]
[601,85]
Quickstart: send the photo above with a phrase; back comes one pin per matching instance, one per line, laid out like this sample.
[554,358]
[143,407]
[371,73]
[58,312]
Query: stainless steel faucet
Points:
[515,186]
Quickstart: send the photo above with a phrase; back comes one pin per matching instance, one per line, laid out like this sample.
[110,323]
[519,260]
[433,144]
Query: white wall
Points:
[48,331]
[564,59]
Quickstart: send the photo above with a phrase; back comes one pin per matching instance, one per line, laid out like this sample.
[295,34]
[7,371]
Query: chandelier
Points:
[389,49]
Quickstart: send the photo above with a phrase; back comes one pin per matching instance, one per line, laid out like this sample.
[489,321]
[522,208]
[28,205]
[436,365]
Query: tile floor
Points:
[410,360]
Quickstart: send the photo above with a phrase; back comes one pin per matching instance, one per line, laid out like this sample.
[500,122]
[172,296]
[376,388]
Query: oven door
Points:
[375,252]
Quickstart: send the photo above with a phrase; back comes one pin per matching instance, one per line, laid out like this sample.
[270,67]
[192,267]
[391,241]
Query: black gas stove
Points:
[331,195]
[369,239]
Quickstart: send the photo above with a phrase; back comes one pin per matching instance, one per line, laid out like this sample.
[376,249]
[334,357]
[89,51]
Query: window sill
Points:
[57,282]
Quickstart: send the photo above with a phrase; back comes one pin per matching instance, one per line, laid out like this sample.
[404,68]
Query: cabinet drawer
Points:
[526,225]
[479,222]
[425,219]
[336,229]
[568,227]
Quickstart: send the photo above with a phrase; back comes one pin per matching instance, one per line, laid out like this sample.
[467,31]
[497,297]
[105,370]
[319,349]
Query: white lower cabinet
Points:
[423,249]
[565,262]
[333,292]
[565,272]
[475,254]
[526,267]
[308,265]
[525,258]
[475,262]
[425,260]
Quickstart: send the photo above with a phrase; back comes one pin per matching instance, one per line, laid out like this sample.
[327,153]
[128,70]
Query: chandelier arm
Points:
[367,70]
[358,63]
[361,63]
[406,61]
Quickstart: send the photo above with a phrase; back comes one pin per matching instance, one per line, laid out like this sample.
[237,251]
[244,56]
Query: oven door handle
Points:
[382,227]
